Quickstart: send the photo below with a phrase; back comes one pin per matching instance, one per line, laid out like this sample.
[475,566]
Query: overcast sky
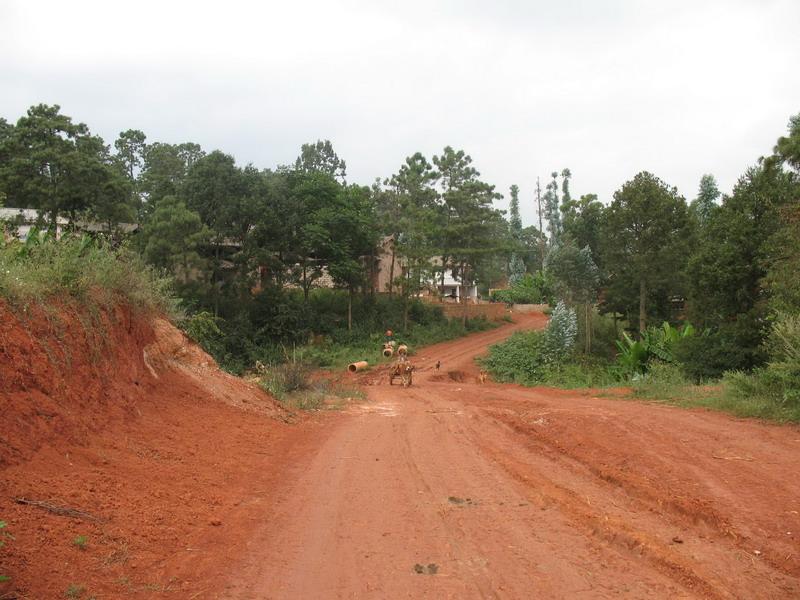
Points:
[605,87]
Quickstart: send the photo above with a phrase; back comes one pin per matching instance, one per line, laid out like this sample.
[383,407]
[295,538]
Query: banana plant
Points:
[633,355]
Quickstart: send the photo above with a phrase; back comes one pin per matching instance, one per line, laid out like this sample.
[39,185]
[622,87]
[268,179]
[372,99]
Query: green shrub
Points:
[662,380]
[779,381]
[531,357]
[82,269]
[203,328]
[531,289]
[520,358]
[287,378]
[80,542]
[733,346]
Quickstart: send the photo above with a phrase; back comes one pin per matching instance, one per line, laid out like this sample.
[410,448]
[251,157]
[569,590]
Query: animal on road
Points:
[402,369]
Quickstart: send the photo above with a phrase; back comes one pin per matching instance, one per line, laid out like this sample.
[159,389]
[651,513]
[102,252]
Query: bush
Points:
[662,380]
[560,335]
[519,359]
[733,346]
[83,269]
[528,357]
[287,378]
[779,381]
[531,289]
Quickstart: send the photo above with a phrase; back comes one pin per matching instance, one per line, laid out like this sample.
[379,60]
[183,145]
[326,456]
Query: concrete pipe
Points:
[357,366]
[402,349]
[387,352]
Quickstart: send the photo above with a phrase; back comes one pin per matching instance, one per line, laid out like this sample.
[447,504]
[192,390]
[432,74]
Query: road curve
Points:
[453,489]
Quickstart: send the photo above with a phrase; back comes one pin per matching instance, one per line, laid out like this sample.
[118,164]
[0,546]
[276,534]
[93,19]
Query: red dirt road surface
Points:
[447,489]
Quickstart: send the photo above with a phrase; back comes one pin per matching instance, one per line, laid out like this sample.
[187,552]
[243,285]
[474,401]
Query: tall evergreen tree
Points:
[516,267]
[706,202]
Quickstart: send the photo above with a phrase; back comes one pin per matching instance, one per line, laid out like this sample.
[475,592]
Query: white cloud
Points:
[604,88]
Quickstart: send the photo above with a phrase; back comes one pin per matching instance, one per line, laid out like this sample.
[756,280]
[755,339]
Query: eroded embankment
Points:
[120,418]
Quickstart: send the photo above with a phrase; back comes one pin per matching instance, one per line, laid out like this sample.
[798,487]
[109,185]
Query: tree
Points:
[551,209]
[706,202]
[468,218]
[53,164]
[788,147]
[222,194]
[320,158]
[783,247]
[646,232]
[408,211]
[566,197]
[131,149]
[583,221]
[576,279]
[345,234]
[172,240]
[164,170]
[516,267]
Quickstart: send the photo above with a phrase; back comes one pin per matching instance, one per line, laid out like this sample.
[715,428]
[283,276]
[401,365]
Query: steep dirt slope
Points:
[122,418]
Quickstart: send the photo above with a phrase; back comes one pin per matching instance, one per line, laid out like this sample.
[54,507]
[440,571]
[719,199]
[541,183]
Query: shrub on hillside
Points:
[80,268]
[779,380]
[531,289]
[733,346]
[527,357]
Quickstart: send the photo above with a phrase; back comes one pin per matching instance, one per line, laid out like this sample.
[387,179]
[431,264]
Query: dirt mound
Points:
[124,434]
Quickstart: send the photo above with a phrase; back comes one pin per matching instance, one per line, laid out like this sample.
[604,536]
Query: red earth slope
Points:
[122,418]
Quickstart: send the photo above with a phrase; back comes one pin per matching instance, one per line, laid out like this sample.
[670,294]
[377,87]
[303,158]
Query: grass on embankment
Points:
[522,359]
[740,394]
[43,270]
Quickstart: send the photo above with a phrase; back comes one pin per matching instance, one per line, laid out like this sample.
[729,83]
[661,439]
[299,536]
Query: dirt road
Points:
[453,489]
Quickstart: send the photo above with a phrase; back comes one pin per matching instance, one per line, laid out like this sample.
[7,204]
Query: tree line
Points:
[224,230]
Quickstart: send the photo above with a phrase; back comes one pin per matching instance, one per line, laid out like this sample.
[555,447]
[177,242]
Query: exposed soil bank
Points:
[124,419]
[447,489]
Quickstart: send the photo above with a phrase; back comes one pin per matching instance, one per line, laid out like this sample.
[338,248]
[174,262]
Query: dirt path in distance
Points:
[452,489]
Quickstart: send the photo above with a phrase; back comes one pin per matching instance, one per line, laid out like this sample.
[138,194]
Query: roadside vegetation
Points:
[278,265]
[79,269]
[689,304]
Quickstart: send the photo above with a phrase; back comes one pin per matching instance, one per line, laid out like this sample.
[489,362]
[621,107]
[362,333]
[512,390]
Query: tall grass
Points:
[80,269]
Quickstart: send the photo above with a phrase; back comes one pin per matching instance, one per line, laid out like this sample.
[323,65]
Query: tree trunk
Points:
[405,301]
[305,283]
[216,281]
[588,328]
[391,274]
[444,262]
[642,306]
[350,308]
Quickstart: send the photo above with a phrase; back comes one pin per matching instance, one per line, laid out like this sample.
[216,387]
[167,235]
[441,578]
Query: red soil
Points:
[128,421]
[447,489]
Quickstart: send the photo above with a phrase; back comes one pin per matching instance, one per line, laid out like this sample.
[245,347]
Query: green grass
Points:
[293,386]
[581,372]
[334,356]
[740,394]
[83,270]
[80,542]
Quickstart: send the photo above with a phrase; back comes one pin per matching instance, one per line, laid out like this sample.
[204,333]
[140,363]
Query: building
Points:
[18,222]
[388,266]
